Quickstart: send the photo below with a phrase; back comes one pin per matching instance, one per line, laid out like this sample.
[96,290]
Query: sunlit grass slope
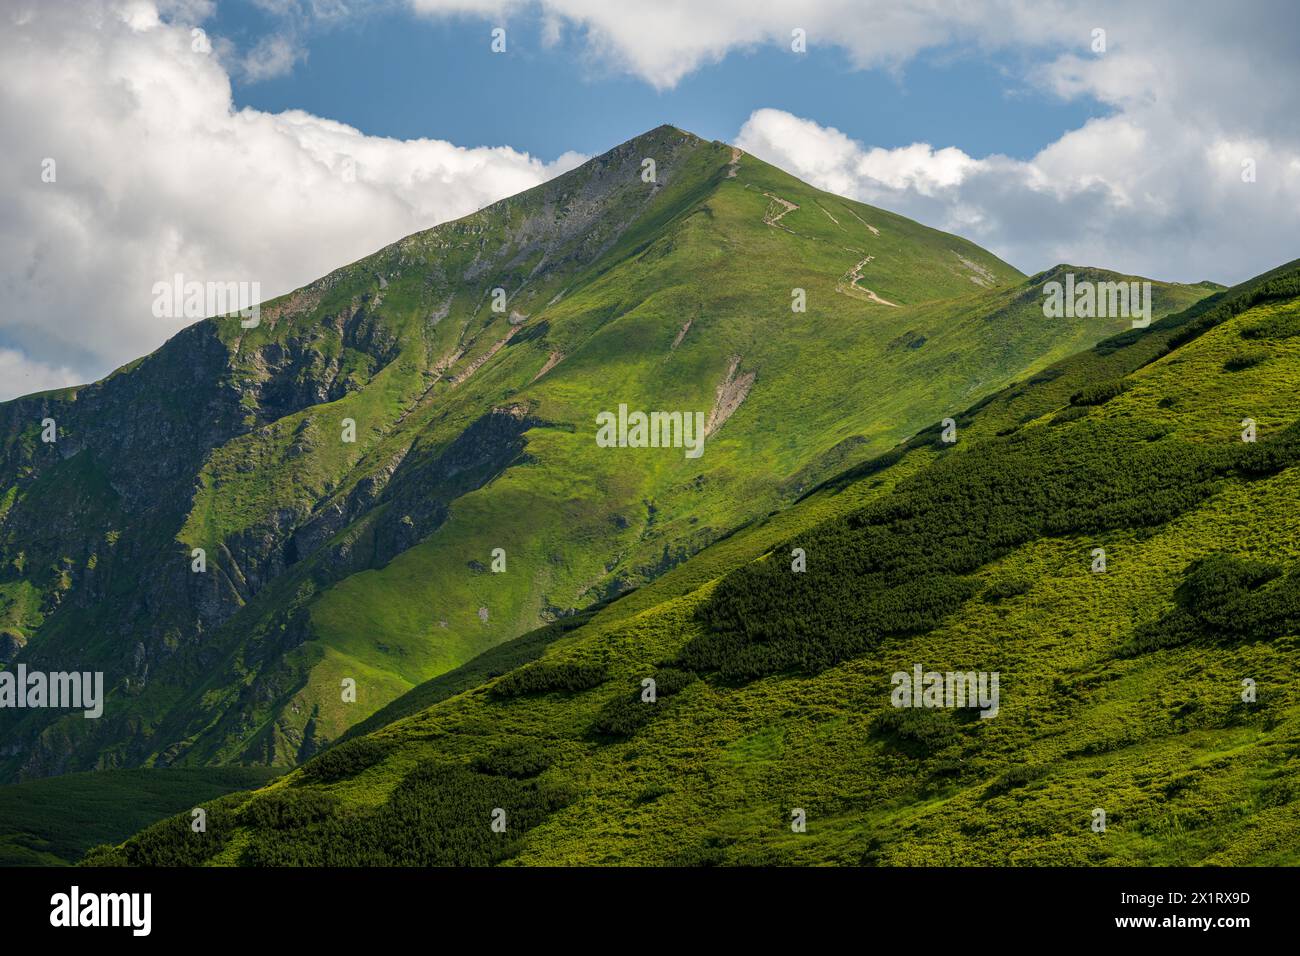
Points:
[1159,692]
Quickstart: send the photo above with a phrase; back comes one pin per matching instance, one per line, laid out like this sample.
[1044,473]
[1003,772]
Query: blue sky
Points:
[392,73]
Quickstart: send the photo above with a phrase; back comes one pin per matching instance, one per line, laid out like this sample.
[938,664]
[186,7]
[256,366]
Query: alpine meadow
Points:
[675,504]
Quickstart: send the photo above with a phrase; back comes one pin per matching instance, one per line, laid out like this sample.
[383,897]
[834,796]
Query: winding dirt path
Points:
[772,217]
[682,334]
[478,363]
[554,359]
[854,278]
[829,216]
[874,230]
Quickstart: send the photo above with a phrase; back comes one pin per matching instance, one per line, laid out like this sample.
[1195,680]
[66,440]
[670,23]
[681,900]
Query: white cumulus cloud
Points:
[1134,193]
[156,173]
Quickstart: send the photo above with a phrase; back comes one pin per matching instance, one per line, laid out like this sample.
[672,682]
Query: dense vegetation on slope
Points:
[1159,691]
[903,565]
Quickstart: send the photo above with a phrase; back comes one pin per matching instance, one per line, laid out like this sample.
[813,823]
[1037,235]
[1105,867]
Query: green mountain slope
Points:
[1158,691]
[369,561]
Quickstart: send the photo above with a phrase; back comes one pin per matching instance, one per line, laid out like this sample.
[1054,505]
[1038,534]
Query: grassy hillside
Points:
[1159,690]
[331,560]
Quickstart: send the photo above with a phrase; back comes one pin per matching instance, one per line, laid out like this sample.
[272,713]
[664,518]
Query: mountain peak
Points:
[665,130]
[348,466]
[651,144]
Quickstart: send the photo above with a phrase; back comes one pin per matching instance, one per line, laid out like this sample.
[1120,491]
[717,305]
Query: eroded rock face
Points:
[166,617]
[298,374]
[93,518]
[731,391]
